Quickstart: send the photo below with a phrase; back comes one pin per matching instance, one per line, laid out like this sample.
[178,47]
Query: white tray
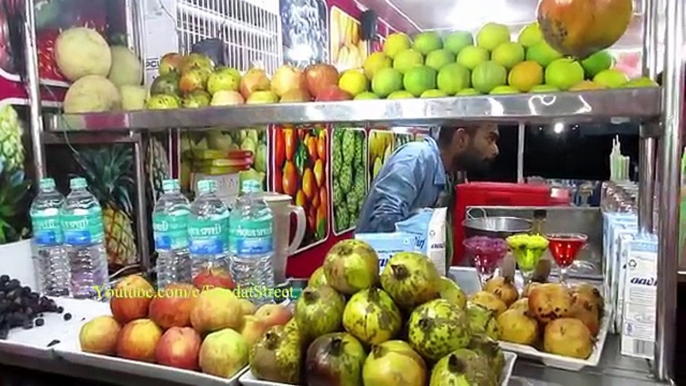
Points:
[248,379]
[468,280]
[35,342]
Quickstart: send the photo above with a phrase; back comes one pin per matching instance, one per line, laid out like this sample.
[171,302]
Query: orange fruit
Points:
[309,184]
[290,179]
[300,199]
[319,172]
[316,200]
[323,202]
[321,145]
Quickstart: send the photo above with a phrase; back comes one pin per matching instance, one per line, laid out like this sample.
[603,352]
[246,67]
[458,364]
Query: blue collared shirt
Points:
[413,178]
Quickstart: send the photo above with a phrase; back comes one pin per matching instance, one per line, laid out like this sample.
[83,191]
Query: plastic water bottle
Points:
[81,220]
[170,226]
[251,244]
[208,231]
[51,257]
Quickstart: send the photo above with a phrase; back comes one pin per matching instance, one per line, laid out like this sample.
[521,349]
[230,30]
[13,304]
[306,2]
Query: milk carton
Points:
[640,296]
[614,225]
[387,244]
[624,240]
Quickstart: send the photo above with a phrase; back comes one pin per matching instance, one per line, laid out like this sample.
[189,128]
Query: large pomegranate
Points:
[581,27]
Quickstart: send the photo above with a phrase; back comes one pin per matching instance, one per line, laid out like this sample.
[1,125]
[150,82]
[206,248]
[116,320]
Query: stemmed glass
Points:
[565,247]
[527,250]
[486,254]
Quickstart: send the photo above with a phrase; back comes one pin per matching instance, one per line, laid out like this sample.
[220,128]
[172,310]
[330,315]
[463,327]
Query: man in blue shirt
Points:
[422,175]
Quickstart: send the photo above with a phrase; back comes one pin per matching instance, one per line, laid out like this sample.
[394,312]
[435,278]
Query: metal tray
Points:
[35,342]
[468,280]
[248,379]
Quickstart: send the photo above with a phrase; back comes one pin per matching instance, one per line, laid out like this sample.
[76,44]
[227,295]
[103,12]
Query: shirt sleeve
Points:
[396,190]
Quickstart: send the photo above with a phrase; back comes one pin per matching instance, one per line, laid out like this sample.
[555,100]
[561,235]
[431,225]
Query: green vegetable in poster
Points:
[301,158]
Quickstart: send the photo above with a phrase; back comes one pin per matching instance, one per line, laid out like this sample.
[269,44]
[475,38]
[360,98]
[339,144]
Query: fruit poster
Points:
[348,177]
[305,31]
[348,50]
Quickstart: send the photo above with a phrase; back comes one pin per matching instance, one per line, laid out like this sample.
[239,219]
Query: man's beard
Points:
[471,161]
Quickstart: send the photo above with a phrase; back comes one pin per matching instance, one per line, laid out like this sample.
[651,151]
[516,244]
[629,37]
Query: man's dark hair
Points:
[446,133]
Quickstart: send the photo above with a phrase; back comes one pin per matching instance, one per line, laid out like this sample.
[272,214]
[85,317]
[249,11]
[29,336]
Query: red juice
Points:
[565,247]
[486,253]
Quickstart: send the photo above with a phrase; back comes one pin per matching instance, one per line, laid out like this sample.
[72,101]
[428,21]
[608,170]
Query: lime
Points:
[498,90]
[408,59]
[366,96]
[458,40]
[487,75]
[354,82]
[386,81]
[426,42]
[375,62]
[453,78]
[472,56]
[396,43]
[611,78]
[508,54]
[601,60]
[564,73]
[468,91]
[402,94]
[433,94]
[419,79]
[530,35]
[542,53]
[525,75]
[492,35]
[439,58]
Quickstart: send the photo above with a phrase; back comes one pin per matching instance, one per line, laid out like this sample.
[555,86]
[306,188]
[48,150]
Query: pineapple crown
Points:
[13,189]
[109,172]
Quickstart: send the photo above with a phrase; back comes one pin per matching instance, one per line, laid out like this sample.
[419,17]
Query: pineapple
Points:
[11,147]
[156,164]
[13,205]
[109,172]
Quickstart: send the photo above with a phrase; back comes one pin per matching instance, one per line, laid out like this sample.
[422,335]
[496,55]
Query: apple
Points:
[319,77]
[138,339]
[288,78]
[99,335]
[223,353]
[170,62]
[253,329]
[295,96]
[274,314]
[247,307]
[227,98]
[215,309]
[224,79]
[172,306]
[179,347]
[131,298]
[333,94]
[194,79]
[197,60]
[262,97]
[213,277]
[254,80]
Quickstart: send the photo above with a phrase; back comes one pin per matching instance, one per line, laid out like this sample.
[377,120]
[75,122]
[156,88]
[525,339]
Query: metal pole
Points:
[646,149]
[670,151]
[141,204]
[33,89]
[521,134]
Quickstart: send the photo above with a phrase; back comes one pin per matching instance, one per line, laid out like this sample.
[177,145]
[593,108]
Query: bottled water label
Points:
[46,228]
[251,237]
[83,229]
[207,236]
[171,230]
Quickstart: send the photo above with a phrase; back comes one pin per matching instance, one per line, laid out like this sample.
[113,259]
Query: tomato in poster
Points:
[290,179]
[279,148]
[312,147]
[319,172]
[316,200]
[290,143]
[312,218]
[309,186]
[321,145]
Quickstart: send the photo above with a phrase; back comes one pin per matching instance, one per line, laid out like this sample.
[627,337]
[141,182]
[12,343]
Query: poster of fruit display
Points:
[348,176]
[305,31]
[348,50]
[227,156]
[380,149]
[301,169]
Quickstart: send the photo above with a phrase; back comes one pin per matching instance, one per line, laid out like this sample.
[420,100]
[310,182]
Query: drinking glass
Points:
[527,250]
[486,253]
[565,247]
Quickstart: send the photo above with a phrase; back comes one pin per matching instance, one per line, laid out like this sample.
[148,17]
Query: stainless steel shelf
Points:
[616,106]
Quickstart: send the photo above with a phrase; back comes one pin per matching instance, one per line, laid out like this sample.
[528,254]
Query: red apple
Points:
[254,80]
[99,335]
[172,306]
[131,298]
[273,315]
[288,78]
[137,340]
[170,62]
[213,277]
[319,77]
[295,96]
[179,347]
[333,94]
[227,98]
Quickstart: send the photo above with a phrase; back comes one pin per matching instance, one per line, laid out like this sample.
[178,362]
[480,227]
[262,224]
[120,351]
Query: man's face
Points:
[476,152]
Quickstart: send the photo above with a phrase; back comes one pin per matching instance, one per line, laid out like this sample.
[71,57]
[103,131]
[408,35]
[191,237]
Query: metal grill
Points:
[250,29]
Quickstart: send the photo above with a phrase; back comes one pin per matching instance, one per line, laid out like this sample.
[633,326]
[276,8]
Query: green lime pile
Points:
[526,241]
[433,65]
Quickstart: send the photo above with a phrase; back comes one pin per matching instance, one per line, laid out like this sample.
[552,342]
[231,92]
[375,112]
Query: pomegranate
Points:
[580,28]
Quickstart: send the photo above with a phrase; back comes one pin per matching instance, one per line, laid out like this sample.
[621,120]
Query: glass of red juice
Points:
[486,253]
[565,247]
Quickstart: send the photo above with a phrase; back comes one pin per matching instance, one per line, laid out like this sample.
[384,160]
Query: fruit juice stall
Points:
[310,99]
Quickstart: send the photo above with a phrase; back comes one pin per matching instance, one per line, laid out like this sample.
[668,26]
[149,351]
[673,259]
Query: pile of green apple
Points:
[490,62]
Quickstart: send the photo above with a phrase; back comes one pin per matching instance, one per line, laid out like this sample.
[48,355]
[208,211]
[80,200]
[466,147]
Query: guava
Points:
[488,75]
[530,35]
[499,90]
[396,43]
[386,81]
[640,82]
[542,53]
[467,92]
[439,59]
[611,78]
[163,101]
[458,40]
[508,54]
[491,35]
[426,42]
[601,60]
[408,59]
[228,79]
[419,79]
[564,73]
[472,56]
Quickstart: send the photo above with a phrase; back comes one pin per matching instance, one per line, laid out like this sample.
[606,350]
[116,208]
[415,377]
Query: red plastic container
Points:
[495,194]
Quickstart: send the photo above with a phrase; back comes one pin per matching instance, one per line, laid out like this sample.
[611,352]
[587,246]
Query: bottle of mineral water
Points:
[51,257]
[251,244]
[81,220]
[208,230]
[170,226]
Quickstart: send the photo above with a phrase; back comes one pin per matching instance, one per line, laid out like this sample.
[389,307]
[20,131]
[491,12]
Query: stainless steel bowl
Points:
[496,227]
